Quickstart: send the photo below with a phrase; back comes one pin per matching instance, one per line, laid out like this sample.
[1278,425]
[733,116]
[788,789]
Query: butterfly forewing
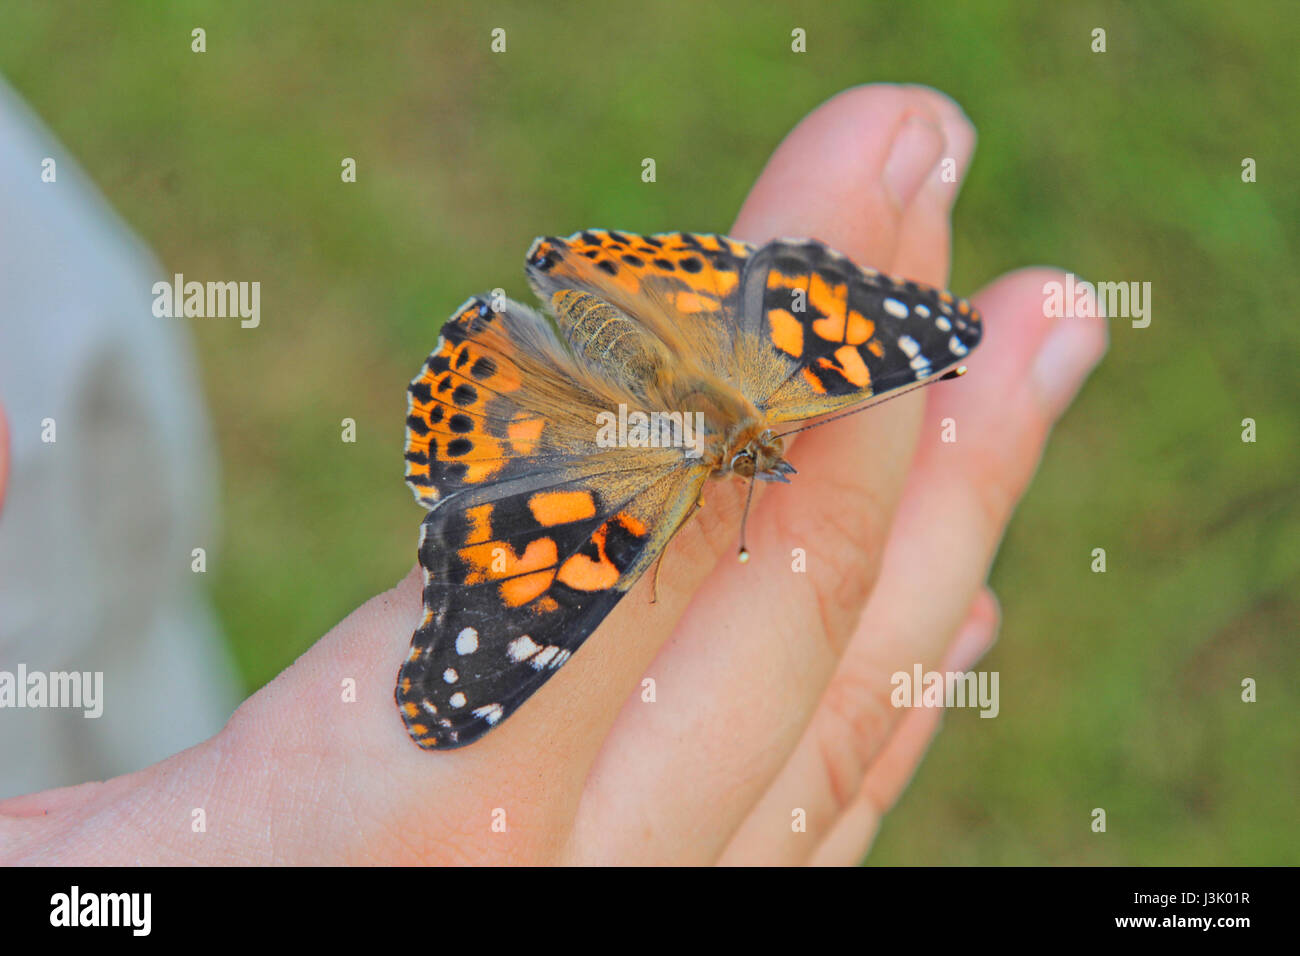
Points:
[515,582]
[840,333]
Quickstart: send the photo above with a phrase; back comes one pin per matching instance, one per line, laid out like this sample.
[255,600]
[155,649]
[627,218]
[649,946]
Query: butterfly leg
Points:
[654,586]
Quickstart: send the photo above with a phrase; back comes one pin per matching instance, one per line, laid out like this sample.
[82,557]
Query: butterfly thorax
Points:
[615,346]
[738,440]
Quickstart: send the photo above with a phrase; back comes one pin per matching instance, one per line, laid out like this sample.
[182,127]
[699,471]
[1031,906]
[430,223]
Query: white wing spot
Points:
[457,699]
[450,675]
[956,348]
[895,308]
[539,661]
[908,345]
[467,641]
[489,712]
[522,648]
[923,311]
[942,324]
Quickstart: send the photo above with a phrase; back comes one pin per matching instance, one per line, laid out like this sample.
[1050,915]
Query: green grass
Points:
[1118,690]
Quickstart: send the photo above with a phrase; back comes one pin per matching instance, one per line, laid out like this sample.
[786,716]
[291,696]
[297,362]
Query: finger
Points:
[959,498]
[924,243]
[749,665]
[851,836]
[848,172]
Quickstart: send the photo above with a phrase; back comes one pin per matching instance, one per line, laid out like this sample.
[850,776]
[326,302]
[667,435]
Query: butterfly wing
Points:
[682,287]
[534,531]
[516,581]
[796,326]
[820,332]
[498,398]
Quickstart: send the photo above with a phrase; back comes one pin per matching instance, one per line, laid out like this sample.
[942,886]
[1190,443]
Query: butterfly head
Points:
[761,457]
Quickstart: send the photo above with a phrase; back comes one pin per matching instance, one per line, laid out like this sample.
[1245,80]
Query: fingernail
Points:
[916,151]
[1065,358]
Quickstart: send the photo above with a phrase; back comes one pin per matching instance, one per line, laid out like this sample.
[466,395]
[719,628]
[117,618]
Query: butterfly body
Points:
[558,454]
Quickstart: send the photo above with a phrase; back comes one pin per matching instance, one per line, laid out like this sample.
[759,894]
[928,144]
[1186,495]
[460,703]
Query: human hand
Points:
[772,686]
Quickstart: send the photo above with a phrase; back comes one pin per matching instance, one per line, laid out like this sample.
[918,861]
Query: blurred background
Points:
[1120,690]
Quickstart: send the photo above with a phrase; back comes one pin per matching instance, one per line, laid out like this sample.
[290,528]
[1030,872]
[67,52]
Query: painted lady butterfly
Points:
[536,525]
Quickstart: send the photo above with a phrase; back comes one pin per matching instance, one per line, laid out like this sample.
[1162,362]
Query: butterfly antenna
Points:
[955,373]
[743,556]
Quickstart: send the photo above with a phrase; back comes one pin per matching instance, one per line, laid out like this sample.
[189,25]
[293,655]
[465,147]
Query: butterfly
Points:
[557,453]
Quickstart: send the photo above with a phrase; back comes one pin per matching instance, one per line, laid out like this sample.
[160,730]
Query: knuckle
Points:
[854,716]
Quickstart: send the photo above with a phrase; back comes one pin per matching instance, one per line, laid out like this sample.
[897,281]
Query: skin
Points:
[772,686]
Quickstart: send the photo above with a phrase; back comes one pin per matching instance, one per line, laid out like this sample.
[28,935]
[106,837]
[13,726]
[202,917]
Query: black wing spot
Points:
[460,423]
[459,446]
[484,368]
[465,395]
[692,264]
[605,265]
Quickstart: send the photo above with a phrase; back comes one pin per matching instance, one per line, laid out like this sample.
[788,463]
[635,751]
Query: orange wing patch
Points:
[583,572]
[561,507]
[786,331]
